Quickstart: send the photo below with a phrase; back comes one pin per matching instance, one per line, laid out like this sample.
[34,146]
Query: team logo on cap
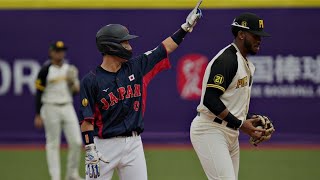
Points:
[218,79]
[244,23]
[84,102]
[59,44]
[260,23]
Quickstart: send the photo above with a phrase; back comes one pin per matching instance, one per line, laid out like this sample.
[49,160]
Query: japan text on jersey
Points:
[115,102]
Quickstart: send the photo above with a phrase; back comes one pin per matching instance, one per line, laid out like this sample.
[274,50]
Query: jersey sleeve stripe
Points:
[216,86]
[39,87]
[162,65]
[98,118]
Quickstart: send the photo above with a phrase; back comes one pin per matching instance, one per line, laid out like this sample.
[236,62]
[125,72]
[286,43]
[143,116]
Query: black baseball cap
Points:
[58,46]
[250,22]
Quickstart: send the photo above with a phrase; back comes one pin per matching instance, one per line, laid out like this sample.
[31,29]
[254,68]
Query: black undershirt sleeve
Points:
[223,70]
[40,86]
[212,101]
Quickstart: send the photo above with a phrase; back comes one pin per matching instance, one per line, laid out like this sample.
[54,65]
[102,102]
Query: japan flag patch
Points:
[131,77]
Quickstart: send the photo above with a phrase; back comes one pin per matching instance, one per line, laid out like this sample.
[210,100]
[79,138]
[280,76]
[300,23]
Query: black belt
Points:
[129,134]
[219,121]
[60,104]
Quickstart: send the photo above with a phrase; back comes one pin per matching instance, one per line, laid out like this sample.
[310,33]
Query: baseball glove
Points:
[264,123]
[72,74]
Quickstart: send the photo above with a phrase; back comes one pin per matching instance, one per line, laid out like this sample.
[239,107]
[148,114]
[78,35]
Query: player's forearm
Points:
[213,102]
[172,43]
[230,118]
[86,126]
[87,132]
[216,106]
[38,101]
[75,88]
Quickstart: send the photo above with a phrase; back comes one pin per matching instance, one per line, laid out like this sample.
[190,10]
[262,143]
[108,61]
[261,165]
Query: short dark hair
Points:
[235,30]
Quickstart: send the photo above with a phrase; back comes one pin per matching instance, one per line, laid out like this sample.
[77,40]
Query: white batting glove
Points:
[192,18]
[92,161]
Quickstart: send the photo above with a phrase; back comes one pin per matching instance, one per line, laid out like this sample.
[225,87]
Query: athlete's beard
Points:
[248,46]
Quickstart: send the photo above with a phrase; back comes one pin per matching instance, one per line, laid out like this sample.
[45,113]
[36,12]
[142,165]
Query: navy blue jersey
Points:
[115,102]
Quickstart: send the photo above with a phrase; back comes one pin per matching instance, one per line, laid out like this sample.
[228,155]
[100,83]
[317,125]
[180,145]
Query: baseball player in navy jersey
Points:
[225,98]
[57,81]
[113,101]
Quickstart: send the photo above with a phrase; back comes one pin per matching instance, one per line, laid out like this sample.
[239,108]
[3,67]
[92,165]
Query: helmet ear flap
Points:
[111,47]
[114,49]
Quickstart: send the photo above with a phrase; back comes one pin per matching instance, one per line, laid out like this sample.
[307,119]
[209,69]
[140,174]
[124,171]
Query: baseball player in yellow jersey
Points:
[55,84]
[225,98]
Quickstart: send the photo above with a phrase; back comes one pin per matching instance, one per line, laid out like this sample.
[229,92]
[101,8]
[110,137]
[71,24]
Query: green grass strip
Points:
[178,164]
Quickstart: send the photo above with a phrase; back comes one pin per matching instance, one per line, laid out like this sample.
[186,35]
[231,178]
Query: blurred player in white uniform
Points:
[56,83]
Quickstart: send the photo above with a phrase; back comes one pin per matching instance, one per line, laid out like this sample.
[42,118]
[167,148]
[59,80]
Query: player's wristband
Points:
[249,115]
[178,36]
[87,137]
[230,118]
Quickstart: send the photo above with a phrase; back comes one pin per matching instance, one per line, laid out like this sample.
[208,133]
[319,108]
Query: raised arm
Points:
[172,43]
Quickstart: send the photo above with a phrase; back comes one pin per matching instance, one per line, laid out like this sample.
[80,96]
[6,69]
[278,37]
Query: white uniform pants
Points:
[217,147]
[125,154]
[59,118]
